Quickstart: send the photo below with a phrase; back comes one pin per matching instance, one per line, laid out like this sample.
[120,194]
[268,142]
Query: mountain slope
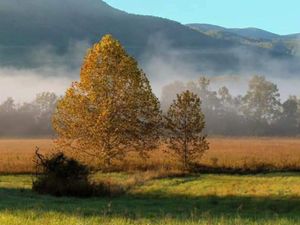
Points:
[32,30]
[26,25]
[288,44]
[252,33]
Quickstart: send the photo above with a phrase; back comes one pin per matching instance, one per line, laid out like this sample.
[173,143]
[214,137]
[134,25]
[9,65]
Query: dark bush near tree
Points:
[60,175]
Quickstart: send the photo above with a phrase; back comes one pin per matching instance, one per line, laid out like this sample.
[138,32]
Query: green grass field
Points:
[201,199]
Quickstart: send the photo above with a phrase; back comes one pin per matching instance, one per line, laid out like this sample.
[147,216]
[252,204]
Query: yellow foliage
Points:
[111,110]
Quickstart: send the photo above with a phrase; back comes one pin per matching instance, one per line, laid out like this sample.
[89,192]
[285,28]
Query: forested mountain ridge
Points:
[30,29]
[257,37]
[27,25]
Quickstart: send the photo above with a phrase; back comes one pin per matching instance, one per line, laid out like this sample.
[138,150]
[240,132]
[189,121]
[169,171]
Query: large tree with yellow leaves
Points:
[111,110]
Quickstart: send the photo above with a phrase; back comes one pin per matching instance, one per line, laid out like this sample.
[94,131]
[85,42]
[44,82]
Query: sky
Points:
[277,16]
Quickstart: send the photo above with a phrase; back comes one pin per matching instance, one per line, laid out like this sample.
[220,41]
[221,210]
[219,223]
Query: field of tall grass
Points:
[16,155]
[159,197]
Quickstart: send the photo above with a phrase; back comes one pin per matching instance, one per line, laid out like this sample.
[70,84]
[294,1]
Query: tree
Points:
[209,98]
[261,103]
[289,120]
[204,83]
[225,96]
[8,106]
[8,113]
[111,110]
[44,105]
[45,102]
[185,124]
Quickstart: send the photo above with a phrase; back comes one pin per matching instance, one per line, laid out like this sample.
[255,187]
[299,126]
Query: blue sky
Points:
[278,16]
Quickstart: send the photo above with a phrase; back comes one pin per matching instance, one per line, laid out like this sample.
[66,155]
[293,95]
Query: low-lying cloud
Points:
[23,84]
[54,72]
[165,64]
[162,62]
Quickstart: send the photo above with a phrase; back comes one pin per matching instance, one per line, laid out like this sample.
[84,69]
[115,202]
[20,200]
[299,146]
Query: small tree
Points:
[112,110]
[185,124]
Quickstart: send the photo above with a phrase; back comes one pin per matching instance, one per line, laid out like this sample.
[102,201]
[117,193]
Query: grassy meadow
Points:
[271,199]
[155,197]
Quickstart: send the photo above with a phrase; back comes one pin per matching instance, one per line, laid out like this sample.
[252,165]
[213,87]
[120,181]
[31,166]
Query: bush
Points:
[60,175]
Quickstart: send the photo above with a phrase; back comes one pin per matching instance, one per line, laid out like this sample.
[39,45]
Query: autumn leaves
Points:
[112,111]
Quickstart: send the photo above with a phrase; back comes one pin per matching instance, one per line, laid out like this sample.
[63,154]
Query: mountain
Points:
[35,33]
[253,33]
[31,24]
[252,36]
[292,36]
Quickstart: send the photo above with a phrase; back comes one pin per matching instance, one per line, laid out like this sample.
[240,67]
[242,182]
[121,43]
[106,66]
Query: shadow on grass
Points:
[255,169]
[150,206]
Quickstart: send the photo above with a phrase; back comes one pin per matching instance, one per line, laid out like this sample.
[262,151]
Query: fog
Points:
[54,73]
[165,64]
[162,62]
[23,85]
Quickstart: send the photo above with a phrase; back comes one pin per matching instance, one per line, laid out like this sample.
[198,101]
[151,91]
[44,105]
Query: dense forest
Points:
[259,112]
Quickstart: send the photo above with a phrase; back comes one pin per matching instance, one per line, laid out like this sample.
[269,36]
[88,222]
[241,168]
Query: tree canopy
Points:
[111,110]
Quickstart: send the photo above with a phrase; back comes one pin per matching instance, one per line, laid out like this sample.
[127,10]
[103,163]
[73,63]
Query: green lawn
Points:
[203,199]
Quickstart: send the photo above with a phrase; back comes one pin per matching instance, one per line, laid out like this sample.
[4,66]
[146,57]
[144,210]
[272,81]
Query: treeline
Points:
[259,112]
[29,118]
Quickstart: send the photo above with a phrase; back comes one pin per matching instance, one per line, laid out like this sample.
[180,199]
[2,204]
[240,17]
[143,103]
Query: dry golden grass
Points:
[16,155]
[236,152]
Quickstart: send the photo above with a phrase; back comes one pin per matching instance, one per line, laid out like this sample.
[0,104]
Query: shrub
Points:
[60,175]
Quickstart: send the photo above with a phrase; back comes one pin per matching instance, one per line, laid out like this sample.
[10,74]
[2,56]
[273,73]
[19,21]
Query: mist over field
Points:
[162,62]
[23,85]
[54,73]
[165,64]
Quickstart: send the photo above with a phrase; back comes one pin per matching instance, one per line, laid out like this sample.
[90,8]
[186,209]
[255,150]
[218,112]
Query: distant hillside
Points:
[26,25]
[253,33]
[251,36]
[30,29]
